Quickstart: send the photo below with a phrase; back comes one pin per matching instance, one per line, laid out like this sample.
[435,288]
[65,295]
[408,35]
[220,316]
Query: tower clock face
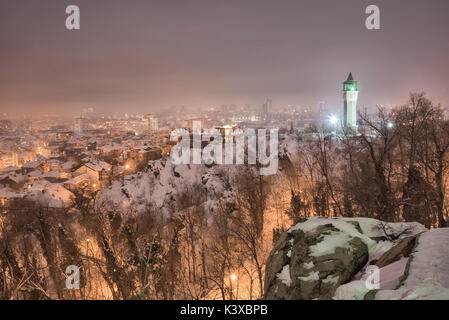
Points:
[350,87]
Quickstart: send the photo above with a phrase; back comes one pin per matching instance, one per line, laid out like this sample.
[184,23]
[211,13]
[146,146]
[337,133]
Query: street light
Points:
[333,119]
[233,277]
[390,125]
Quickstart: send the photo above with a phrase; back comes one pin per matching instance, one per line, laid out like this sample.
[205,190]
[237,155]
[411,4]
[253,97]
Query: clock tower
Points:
[350,95]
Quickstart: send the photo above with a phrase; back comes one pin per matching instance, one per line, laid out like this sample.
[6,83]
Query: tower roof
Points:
[350,78]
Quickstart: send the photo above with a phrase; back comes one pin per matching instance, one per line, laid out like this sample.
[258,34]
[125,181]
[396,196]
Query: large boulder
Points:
[401,250]
[325,258]
[426,275]
[313,258]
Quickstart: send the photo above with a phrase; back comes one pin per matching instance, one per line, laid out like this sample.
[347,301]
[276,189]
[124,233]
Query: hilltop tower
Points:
[350,95]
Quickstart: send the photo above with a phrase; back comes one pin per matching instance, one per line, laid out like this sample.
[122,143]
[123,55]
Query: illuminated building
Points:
[350,95]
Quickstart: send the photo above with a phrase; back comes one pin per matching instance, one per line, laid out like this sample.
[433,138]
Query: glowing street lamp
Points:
[127,167]
[233,277]
[333,119]
[390,125]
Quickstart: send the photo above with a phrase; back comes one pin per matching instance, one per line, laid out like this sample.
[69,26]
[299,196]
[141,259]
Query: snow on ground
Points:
[331,279]
[312,276]
[162,184]
[428,276]
[54,196]
[354,290]
[391,274]
[309,265]
[373,227]
[387,278]
[284,275]
[330,242]
[379,249]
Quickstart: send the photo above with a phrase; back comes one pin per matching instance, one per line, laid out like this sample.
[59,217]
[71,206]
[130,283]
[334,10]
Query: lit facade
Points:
[350,95]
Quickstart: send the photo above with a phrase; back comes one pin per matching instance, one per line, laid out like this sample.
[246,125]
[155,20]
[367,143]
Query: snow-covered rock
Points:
[54,195]
[358,258]
[314,257]
[163,184]
[427,274]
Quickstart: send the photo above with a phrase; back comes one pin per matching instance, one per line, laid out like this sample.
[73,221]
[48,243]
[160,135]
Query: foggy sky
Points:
[149,55]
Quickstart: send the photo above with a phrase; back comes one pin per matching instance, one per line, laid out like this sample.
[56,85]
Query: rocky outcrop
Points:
[426,275]
[310,264]
[402,250]
[325,258]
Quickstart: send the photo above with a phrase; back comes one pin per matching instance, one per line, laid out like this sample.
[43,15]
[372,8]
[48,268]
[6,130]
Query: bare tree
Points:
[248,221]
[378,138]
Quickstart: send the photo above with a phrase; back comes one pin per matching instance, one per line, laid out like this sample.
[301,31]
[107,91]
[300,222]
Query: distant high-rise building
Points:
[321,110]
[266,108]
[152,122]
[79,127]
[350,95]
[5,126]
[87,113]
[224,108]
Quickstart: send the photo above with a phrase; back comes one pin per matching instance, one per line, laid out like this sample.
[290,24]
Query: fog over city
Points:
[152,55]
[224,150]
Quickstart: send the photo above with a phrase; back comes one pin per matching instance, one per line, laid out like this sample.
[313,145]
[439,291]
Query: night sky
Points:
[149,55]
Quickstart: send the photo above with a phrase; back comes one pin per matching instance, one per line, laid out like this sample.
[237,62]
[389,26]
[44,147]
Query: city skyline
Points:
[151,56]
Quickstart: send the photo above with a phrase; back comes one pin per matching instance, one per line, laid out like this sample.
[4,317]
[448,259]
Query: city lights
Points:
[235,151]
[333,119]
